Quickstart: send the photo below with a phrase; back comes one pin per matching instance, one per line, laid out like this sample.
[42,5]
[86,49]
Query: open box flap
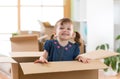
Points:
[25,54]
[7,60]
[64,66]
[99,54]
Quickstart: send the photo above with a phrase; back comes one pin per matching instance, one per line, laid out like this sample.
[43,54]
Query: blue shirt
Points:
[56,52]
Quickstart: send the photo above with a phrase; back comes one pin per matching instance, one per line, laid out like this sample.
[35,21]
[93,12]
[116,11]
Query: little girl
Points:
[61,49]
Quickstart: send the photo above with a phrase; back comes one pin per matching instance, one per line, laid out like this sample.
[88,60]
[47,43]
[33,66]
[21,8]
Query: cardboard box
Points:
[22,43]
[99,54]
[25,68]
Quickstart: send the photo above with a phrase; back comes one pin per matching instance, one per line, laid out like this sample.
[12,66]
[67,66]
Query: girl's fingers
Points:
[46,61]
[40,61]
[37,61]
[84,60]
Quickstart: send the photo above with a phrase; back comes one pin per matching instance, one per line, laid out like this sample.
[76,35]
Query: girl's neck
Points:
[62,42]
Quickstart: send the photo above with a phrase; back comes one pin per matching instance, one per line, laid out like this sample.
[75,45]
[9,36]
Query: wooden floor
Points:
[101,76]
[3,76]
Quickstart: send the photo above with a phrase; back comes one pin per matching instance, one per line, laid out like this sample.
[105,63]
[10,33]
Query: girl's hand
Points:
[83,59]
[41,60]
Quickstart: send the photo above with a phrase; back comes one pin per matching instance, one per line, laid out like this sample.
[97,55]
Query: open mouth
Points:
[65,34]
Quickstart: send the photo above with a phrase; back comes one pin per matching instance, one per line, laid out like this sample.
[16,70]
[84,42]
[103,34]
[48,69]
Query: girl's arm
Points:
[43,58]
[44,54]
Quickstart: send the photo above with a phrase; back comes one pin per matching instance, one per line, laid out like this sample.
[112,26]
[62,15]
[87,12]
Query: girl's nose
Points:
[65,30]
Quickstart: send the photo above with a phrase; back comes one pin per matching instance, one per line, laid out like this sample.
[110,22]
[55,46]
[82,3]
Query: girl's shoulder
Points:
[75,44]
[71,43]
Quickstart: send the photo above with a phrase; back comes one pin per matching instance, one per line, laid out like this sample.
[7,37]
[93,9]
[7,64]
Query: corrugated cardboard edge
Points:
[25,54]
[63,66]
[7,60]
[99,54]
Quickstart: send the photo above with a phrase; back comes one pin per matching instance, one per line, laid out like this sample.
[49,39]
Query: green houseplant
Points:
[112,62]
[118,50]
[14,34]
[118,39]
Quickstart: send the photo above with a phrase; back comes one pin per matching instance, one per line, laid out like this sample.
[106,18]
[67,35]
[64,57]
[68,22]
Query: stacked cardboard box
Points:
[22,43]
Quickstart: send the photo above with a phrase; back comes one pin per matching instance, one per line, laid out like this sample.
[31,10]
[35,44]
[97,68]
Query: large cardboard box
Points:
[25,68]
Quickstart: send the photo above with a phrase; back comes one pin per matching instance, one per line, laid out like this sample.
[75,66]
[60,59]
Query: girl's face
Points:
[65,31]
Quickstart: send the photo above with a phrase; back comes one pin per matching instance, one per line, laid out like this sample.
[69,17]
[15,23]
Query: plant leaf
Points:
[118,37]
[102,47]
[118,68]
[113,63]
[118,57]
[106,69]
[97,47]
[118,50]
[107,45]
[107,61]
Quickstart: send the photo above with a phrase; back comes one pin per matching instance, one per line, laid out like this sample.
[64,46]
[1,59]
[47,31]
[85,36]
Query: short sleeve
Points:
[47,45]
[77,51]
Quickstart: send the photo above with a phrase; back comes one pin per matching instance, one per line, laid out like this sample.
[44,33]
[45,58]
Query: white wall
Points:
[116,21]
[100,23]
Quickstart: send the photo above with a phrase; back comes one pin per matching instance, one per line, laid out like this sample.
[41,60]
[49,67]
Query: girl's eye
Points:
[61,28]
[68,29]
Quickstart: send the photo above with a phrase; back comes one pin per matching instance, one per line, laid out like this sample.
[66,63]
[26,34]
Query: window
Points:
[8,16]
[43,10]
[25,17]
[8,24]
